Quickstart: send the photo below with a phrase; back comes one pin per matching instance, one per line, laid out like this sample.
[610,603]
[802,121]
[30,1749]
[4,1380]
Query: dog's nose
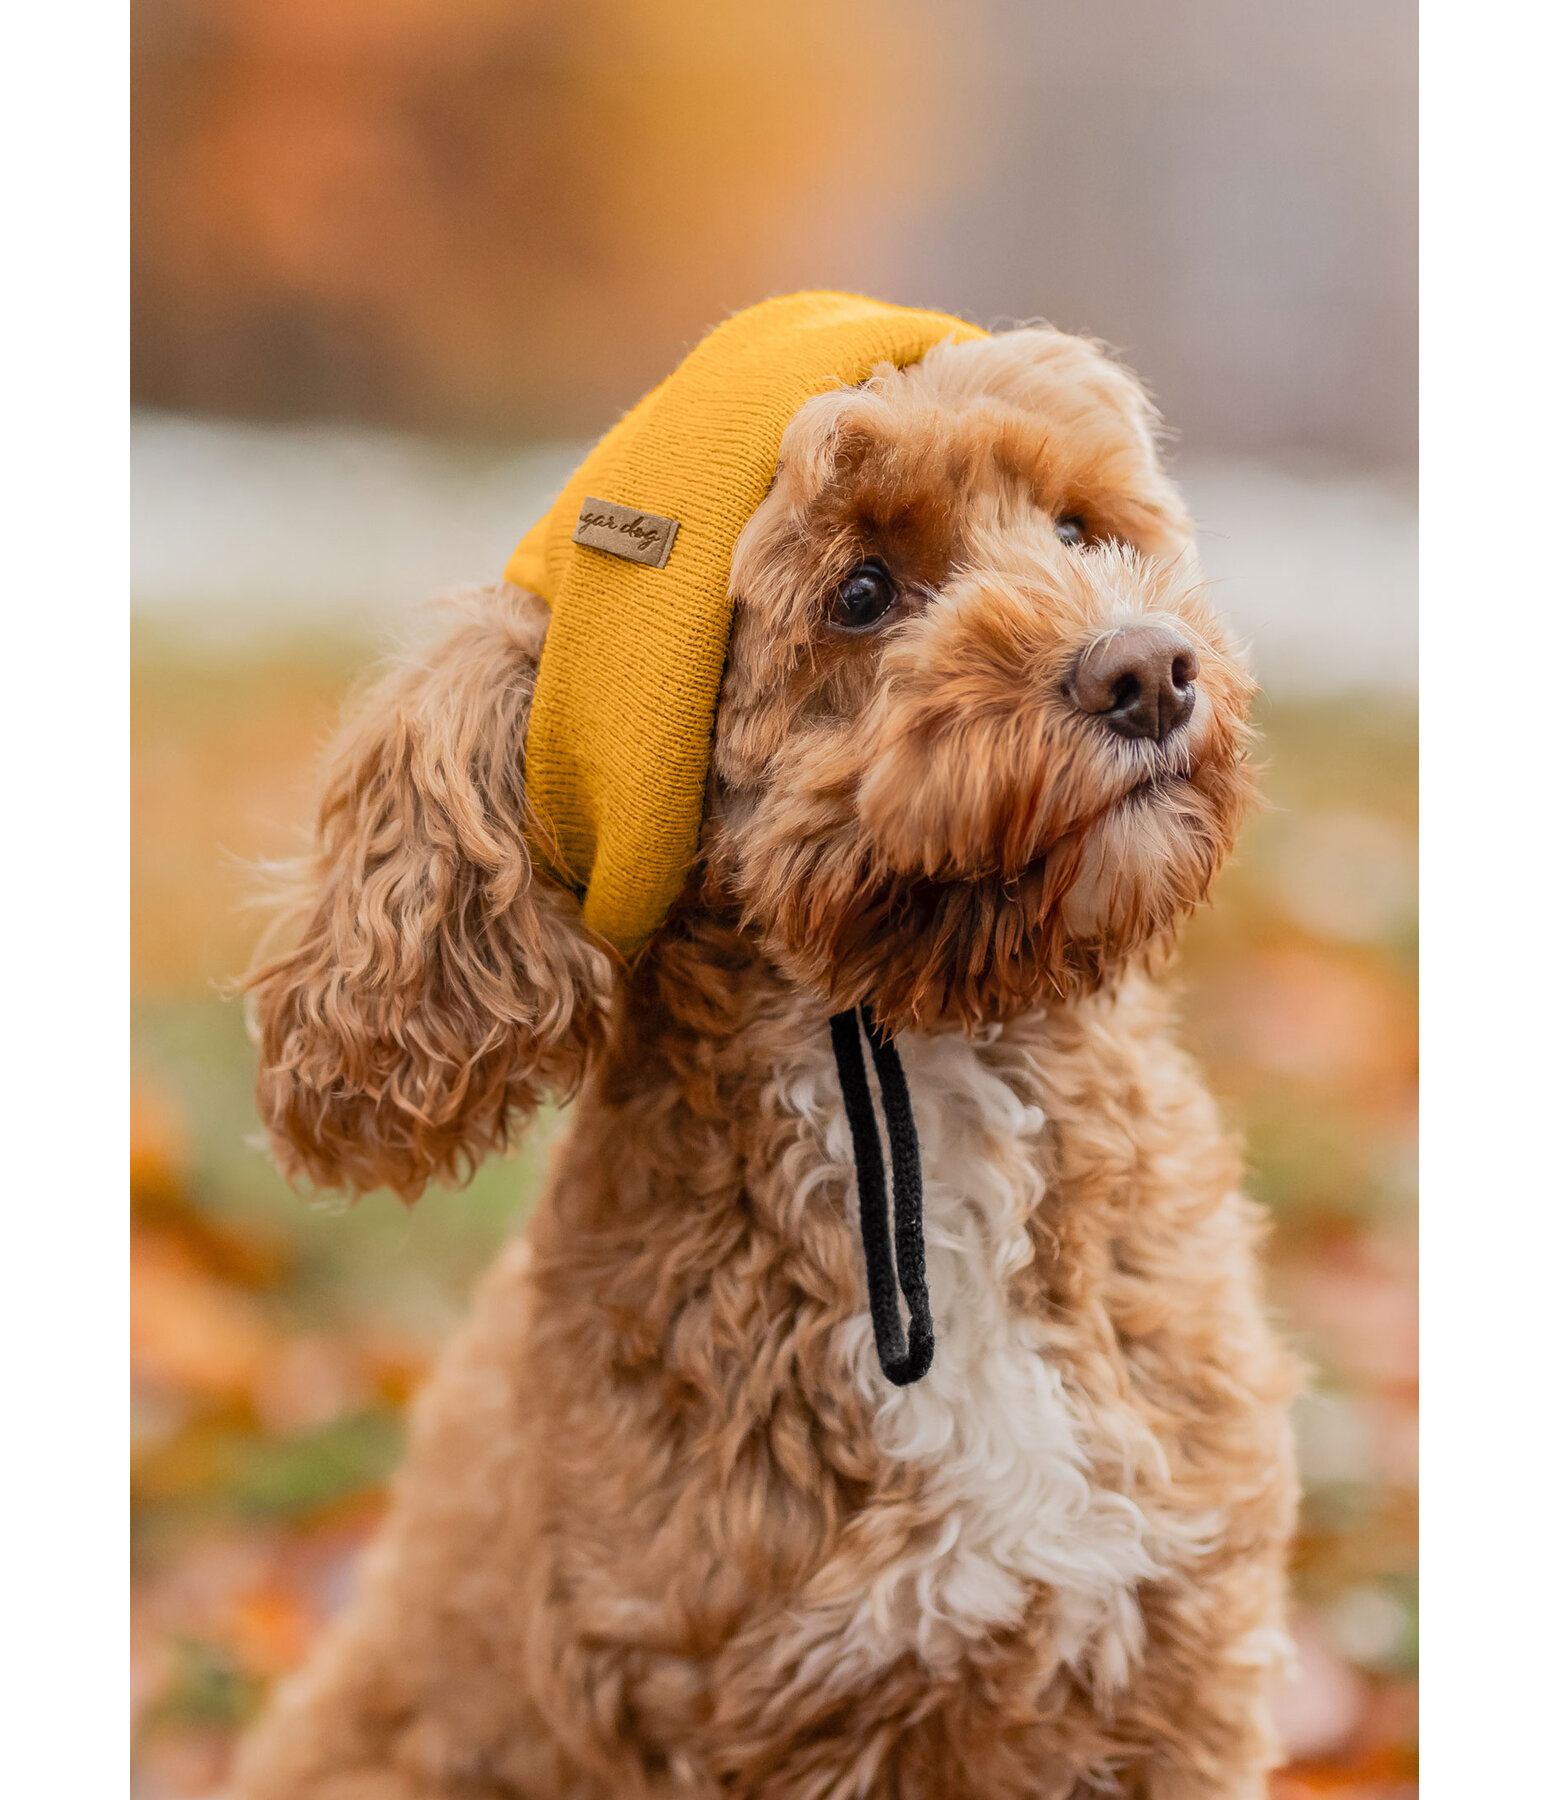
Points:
[1140,680]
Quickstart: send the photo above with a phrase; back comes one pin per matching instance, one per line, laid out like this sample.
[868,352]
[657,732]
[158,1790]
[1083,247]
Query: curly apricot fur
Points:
[642,1540]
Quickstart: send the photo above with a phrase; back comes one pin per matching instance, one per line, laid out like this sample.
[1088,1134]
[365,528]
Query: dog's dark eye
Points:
[863,597]
[1071,530]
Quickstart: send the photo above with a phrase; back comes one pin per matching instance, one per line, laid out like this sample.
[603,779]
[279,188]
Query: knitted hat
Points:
[634,560]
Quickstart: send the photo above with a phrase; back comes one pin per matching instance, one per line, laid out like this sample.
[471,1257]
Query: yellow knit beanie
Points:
[634,560]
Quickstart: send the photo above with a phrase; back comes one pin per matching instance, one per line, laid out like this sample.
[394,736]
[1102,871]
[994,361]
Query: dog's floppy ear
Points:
[435,987]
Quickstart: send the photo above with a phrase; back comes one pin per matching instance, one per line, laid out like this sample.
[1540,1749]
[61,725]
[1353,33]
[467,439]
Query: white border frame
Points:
[1485,872]
[64,742]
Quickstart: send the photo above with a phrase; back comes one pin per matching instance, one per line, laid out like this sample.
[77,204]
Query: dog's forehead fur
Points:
[916,468]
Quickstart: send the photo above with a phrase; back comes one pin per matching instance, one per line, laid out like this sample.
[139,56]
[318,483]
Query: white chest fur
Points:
[1004,1449]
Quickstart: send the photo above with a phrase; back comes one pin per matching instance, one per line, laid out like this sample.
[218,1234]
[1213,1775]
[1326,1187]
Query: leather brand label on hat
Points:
[638,537]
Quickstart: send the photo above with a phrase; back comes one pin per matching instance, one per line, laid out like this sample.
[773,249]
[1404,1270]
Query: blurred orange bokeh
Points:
[493,216]
[508,217]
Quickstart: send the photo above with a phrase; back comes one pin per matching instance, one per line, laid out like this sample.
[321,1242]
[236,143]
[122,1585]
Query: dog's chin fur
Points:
[664,1529]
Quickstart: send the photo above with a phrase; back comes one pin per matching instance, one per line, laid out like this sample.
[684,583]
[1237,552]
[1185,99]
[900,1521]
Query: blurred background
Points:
[396,263]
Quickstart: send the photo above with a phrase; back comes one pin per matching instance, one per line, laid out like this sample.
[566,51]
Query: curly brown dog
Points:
[664,1527]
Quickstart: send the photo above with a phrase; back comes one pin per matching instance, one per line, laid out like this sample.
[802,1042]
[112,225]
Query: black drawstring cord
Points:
[902,1363]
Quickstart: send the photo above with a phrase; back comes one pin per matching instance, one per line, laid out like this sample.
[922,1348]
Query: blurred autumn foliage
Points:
[275,1341]
[505,217]
[475,213]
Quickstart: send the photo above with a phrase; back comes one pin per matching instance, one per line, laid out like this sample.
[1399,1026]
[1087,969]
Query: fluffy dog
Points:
[664,1529]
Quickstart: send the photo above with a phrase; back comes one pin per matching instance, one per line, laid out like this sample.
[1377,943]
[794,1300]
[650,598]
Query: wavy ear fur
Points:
[436,989]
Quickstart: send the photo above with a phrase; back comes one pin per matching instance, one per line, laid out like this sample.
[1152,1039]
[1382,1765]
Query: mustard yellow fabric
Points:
[618,742]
